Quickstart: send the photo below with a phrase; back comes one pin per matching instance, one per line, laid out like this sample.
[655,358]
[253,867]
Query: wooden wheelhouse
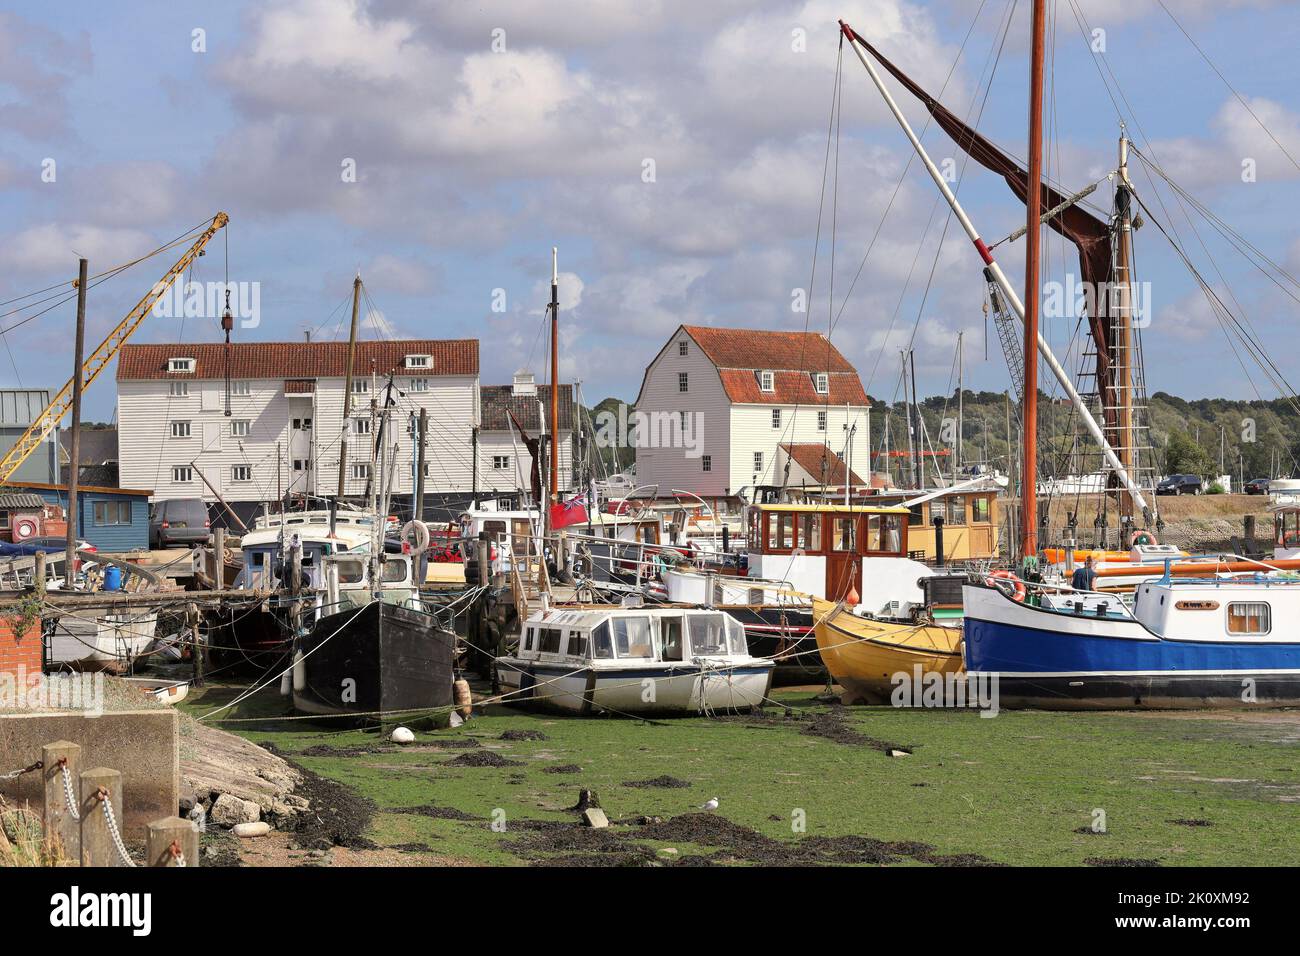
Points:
[822,549]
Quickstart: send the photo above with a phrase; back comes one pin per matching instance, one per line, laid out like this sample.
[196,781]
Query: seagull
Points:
[712,804]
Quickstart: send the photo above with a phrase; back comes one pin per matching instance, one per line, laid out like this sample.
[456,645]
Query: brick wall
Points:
[22,651]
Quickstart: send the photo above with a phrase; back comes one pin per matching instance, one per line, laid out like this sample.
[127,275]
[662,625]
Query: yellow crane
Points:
[48,420]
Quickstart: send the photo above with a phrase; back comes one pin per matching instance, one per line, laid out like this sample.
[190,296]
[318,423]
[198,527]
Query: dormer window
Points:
[180,365]
[822,383]
[767,381]
[419,361]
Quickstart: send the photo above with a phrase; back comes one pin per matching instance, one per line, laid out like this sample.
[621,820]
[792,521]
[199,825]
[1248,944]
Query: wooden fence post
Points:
[97,845]
[56,817]
[165,833]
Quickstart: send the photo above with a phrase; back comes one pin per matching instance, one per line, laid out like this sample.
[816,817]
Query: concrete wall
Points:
[144,745]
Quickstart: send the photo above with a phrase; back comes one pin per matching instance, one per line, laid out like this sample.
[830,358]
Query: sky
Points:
[680,155]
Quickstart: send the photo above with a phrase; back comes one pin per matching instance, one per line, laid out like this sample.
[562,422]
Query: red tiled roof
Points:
[812,457]
[298,359]
[298,386]
[793,358]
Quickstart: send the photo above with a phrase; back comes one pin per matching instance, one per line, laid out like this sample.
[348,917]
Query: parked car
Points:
[1257,486]
[1180,485]
[178,522]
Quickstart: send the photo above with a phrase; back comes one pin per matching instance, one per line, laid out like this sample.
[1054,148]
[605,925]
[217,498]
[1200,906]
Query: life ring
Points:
[25,528]
[421,530]
[1142,537]
[1018,586]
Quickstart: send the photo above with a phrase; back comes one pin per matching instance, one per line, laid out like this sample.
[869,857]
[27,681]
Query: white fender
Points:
[299,672]
[421,543]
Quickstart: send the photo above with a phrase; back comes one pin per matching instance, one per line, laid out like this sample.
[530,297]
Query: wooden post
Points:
[74,444]
[38,575]
[196,645]
[55,817]
[1250,533]
[97,846]
[165,833]
[218,557]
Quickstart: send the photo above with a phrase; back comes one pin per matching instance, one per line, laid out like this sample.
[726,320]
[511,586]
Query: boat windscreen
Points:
[632,637]
[708,635]
[600,642]
[736,637]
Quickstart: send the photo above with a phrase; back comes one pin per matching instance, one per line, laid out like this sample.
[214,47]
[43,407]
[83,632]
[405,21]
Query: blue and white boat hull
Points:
[1053,659]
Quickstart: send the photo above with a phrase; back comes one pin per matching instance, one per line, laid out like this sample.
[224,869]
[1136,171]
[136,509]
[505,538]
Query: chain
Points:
[15,774]
[112,828]
[67,789]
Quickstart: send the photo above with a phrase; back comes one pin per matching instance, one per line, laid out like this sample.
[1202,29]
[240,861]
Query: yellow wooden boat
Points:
[863,654]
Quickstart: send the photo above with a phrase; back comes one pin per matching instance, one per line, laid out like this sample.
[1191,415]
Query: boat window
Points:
[670,631]
[755,530]
[846,537]
[1253,617]
[632,637]
[600,641]
[550,640]
[957,510]
[875,533]
[577,645]
[528,641]
[736,637]
[979,509]
[351,572]
[394,572]
[708,635]
[259,559]
[810,532]
[1288,528]
[916,514]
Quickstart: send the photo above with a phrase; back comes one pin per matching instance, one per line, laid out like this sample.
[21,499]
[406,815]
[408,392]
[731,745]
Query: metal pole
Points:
[74,449]
[347,387]
[419,466]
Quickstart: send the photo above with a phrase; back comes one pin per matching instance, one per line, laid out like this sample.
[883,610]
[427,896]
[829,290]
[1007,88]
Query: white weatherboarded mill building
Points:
[719,404]
[286,416]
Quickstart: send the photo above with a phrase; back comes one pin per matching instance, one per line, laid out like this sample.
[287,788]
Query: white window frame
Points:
[776,418]
[419,385]
[239,427]
[683,382]
[758,462]
[359,470]
[182,474]
[241,387]
[180,365]
[822,383]
[767,381]
[241,473]
[361,386]
[361,426]
[1266,618]
[419,361]
[178,388]
[682,348]
[500,462]
[706,463]
[181,428]
[821,421]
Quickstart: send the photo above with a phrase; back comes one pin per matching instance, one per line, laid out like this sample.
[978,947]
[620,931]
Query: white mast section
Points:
[1000,277]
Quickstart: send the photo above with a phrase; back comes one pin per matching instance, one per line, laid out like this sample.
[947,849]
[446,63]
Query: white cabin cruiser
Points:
[623,660]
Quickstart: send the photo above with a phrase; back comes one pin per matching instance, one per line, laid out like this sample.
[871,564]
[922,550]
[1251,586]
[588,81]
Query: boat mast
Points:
[555,379]
[961,408]
[1122,350]
[1000,277]
[347,391]
[1033,237]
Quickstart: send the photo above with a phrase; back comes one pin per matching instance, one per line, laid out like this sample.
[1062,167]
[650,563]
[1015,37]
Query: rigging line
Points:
[902,177]
[1231,235]
[1217,72]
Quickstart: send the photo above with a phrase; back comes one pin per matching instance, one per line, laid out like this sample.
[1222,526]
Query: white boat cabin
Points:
[608,637]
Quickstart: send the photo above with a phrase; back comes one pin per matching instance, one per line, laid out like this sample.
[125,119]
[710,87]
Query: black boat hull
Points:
[384,663]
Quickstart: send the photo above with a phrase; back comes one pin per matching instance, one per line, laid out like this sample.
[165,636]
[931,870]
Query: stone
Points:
[595,818]
[229,810]
[402,735]
[249,830]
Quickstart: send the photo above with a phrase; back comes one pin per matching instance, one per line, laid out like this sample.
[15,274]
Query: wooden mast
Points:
[1033,215]
[1122,351]
[555,378]
[347,389]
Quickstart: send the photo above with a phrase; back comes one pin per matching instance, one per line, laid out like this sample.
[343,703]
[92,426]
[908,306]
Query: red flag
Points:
[565,513]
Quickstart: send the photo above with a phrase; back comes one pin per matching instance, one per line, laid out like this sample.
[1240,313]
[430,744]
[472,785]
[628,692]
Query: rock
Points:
[402,735]
[898,753]
[187,803]
[249,830]
[595,818]
[229,810]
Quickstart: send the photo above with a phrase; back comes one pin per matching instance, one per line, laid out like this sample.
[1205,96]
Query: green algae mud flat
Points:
[815,783]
